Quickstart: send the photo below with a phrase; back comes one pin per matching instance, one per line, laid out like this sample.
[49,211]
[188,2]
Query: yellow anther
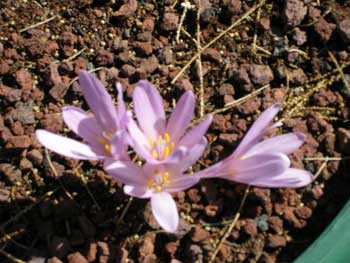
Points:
[166,175]
[166,178]
[158,188]
[155,154]
[242,158]
[166,152]
[150,183]
[151,142]
[172,146]
[167,137]
[108,148]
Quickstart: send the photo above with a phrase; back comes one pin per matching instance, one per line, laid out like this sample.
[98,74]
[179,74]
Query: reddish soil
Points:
[60,210]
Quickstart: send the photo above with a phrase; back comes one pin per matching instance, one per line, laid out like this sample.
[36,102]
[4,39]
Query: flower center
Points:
[105,140]
[158,181]
[162,147]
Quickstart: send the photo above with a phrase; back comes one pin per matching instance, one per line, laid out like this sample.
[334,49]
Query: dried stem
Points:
[38,24]
[236,23]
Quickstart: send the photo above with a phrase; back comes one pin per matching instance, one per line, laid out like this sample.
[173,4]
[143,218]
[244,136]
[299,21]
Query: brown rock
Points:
[10,173]
[297,76]
[199,234]
[170,22]
[194,195]
[143,48]
[344,29]
[147,245]
[276,241]
[260,74]
[148,24]
[25,164]
[294,12]
[324,29]
[24,79]
[250,228]
[58,91]
[233,6]
[226,89]
[17,128]
[52,122]
[91,254]
[228,138]
[183,84]
[303,212]
[171,247]
[299,36]
[264,23]
[276,224]
[76,258]
[242,78]
[127,71]
[104,58]
[126,10]
[18,142]
[212,54]
[54,260]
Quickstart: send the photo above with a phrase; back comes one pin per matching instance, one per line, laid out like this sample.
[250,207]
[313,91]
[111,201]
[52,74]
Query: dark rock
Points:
[169,22]
[344,29]
[199,234]
[260,74]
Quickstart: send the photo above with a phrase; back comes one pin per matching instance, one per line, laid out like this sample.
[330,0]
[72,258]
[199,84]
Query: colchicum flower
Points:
[104,133]
[265,163]
[157,140]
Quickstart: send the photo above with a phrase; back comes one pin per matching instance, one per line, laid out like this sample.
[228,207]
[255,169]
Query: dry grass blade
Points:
[11,257]
[38,24]
[238,21]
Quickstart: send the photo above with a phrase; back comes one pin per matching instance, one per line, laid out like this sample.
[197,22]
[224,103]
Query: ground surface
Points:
[64,210]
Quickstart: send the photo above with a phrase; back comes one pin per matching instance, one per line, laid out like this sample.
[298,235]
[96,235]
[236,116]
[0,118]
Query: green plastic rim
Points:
[333,246]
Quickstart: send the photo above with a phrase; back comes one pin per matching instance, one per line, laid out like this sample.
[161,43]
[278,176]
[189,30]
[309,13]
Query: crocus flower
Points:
[157,140]
[104,133]
[265,163]
[157,181]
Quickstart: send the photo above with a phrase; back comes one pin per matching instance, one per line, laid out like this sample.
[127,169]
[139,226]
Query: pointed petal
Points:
[286,143]
[290,178]
[248,170]
[138,141]
[257,170]
[66,146]
[258,130]
[165,211]
[149,109]
[196,134]
[100,102]
[125,172]
[119,146]
[181,116]
[181,182]
[81,123]
[137,191]
[191,155]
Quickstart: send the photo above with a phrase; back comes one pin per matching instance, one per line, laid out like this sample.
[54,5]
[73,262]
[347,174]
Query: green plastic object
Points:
[333,246]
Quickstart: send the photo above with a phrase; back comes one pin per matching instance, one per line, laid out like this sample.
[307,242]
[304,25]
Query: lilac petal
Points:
[258,130]
[81,123]
[257,169]
[248,170]
[125,172]
[139,141]
[119,146]
[100,102]
[66,146]
[196,134]
[165,211]
[181,116]
[137,191]
[121,106]
[192,155]
[149,109]
[181,182]
[286,143]
[290,178]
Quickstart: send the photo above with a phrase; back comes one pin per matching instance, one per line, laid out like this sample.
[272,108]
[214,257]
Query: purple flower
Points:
[157,140]
[104,133]
[157,182]
[265,163]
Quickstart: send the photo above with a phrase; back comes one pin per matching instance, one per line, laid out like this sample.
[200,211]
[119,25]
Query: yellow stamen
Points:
[108,148]
[172,146]
[150,183]
[166,178]
[151,142]
[166,152]
[154,154]
[158,188]
[242,158]
[167,137]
